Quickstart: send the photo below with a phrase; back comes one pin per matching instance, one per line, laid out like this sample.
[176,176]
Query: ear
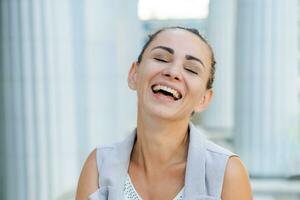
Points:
[132,76]
[204,102]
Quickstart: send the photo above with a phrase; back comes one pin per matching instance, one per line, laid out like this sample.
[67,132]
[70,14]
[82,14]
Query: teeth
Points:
[165,88]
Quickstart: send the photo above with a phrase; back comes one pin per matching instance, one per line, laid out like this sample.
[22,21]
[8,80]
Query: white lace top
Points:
[131,194]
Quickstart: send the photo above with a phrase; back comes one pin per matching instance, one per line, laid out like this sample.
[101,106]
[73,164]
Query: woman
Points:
[166,157]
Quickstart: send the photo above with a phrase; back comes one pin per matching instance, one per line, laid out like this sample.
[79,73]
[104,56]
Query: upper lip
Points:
[170,86]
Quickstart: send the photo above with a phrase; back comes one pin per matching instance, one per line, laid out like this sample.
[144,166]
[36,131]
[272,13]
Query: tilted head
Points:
[174,73]
[191,30]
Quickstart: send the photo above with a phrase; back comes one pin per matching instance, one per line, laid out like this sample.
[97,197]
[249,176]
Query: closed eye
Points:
[190,70]
[160,60]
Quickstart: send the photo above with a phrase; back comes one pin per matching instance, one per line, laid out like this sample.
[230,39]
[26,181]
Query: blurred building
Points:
[64,91]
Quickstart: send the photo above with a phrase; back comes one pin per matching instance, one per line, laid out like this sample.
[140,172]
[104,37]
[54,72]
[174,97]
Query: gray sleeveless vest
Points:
[206,163]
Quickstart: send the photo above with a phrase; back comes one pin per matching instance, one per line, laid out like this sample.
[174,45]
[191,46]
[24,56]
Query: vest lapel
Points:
[117,167]
[195,169]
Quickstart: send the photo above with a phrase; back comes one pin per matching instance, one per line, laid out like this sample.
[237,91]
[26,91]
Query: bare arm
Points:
[88,180]
[236,184]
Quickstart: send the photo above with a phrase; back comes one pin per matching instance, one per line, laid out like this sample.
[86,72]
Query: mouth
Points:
[167,91]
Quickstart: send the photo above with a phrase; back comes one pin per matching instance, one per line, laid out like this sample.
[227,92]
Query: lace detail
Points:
[131,194]
[129,191]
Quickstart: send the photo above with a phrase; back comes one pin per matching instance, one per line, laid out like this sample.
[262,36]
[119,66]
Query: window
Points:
[172,9]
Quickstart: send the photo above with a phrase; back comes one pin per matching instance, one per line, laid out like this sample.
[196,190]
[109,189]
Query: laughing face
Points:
[171,78]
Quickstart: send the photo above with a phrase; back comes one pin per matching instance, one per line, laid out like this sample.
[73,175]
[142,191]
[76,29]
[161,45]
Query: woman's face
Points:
[171,79]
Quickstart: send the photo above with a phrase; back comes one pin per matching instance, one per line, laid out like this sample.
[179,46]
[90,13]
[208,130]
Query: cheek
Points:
[197,84]
[143,78]
[148,72]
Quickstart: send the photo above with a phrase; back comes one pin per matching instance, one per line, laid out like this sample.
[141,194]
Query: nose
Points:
[173,72]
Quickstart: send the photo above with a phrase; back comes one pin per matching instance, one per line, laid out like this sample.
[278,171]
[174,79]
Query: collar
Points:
[195,168]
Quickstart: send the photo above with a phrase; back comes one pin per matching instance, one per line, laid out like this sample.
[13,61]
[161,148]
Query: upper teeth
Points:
[168,89]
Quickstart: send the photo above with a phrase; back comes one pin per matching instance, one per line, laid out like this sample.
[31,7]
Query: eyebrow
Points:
[168,49]
[171,51]
[189,57]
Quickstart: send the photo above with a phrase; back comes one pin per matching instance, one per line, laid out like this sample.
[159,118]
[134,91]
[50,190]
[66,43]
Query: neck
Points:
[160,143]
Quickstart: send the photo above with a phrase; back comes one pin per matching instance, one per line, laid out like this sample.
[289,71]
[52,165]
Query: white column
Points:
[112,42]
[64,77]
[9,167]
[63,114]
[100,45]
[218,118]
[267,106]
[129,41]
[40,143]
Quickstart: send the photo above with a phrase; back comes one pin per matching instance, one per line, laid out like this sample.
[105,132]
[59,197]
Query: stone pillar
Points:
[112,41]
[63,87]
[267,107]
[218,118]
[38,90]
[129,41]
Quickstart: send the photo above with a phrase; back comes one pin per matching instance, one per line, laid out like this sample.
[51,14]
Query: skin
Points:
[181,60]
[88,180]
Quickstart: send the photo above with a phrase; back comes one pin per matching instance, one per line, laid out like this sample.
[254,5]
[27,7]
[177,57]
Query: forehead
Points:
[182,41]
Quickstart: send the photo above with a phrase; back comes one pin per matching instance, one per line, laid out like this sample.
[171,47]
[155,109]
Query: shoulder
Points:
[234,173]
[88,180]
[199,139]
[236,176]
[216,156]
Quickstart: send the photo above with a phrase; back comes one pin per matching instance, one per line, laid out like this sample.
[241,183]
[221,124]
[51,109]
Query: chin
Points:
[162,112]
